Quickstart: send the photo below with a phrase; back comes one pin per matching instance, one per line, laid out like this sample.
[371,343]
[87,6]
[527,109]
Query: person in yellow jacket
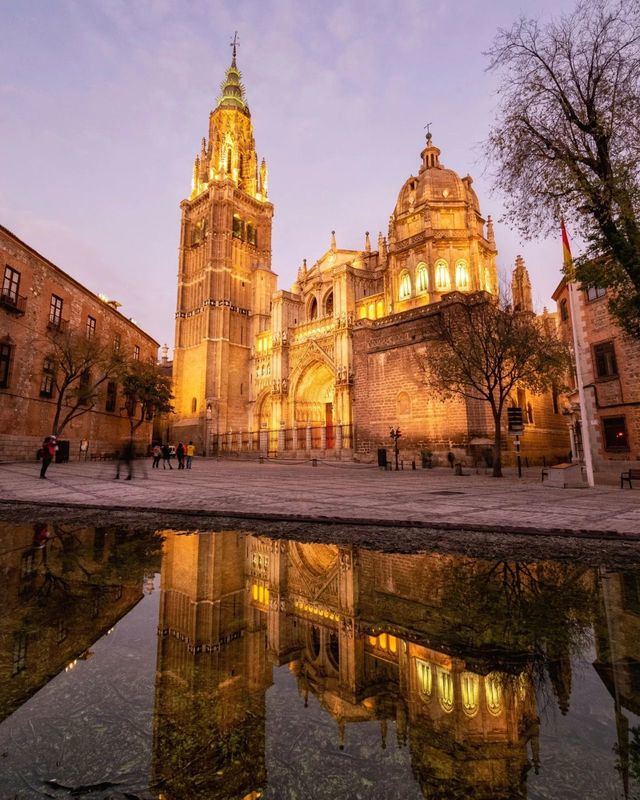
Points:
[191,451]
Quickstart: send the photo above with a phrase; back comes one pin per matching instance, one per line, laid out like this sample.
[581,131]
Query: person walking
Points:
[191,451]
[49,447]
[157,455]
[127,452]
[180,453]
[166,456]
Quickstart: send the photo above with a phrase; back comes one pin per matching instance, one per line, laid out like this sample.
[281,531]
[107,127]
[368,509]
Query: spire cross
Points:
[234,43]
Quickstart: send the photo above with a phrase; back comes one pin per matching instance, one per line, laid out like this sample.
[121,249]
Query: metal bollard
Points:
[314,462]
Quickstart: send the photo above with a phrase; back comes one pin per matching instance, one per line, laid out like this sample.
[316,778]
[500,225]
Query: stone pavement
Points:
[345,492]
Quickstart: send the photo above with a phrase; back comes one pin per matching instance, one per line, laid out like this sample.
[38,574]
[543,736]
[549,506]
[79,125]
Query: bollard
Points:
[261,460]
[413,464]
[402,464]
[314,462]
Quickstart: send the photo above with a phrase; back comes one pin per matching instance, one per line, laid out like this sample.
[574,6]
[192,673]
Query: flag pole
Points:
[574,310]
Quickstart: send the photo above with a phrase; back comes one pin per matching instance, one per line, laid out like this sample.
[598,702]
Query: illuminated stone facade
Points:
[329,366]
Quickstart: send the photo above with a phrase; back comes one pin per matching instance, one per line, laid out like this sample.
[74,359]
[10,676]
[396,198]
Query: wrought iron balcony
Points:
[57,324]
[13,303]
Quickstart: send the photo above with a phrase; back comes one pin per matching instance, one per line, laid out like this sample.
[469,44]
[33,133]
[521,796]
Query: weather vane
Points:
[234,43]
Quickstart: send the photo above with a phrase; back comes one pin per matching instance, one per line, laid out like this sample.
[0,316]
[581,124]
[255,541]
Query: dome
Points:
[435,183]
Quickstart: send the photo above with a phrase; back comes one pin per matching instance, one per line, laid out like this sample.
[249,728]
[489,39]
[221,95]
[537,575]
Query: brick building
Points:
[325,368]
[611,377]
[39,300]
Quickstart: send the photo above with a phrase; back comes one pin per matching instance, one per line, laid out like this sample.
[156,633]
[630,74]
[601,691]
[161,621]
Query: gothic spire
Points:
[232,88]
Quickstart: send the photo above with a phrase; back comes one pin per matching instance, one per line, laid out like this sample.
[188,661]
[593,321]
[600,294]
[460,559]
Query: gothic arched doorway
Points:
[313,400]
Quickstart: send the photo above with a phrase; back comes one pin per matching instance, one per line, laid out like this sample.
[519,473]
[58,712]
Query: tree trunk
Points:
[497,447]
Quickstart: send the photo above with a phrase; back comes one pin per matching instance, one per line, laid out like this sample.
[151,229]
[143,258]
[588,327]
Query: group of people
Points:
[184,454]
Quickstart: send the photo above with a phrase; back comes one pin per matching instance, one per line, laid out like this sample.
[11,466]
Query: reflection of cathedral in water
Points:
[365,632]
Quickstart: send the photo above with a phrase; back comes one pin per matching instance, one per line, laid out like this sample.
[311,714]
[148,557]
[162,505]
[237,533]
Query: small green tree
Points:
[78,366]
[485,349]
[146,392]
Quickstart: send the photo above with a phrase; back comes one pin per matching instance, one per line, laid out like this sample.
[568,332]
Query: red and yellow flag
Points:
[567,259]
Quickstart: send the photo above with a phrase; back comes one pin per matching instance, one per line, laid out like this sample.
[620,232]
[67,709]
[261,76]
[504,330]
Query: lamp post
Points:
[207,431]
[395,434]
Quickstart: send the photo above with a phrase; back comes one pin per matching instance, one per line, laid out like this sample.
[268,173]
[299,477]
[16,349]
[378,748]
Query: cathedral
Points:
[326,368]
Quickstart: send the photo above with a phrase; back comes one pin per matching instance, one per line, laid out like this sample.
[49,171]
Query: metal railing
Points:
[16,303]
[316,439]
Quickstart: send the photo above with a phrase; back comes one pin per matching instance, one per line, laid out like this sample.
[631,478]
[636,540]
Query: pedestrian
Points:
[191,451]
[180,453]
[157,455]
[49,447]
[166,456]
[125,457]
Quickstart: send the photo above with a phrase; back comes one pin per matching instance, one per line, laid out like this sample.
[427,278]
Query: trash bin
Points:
[62,453]
[382,457]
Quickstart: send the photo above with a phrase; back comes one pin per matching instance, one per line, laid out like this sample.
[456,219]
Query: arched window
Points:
[462,275]
[470,689]
[328,304]
[425,677]
[442,275]
[237,227]
[405,286]
[313,308]
[422,278]
[251,233]
[403,405]
[194,405]
[445,690]
[493,694]
[228,165]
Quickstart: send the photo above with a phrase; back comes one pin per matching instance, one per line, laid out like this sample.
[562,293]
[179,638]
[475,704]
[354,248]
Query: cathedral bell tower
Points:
[225,280]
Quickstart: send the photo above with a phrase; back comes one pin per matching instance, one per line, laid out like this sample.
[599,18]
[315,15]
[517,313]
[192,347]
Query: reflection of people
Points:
[49,447]
[126,457]
[41,535]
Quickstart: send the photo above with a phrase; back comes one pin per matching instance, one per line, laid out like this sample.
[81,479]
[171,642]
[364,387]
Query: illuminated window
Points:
[254,591]
[363,312]
[462,274]
[405,286]
[393,644]
[379,309]
[493,693]
[422,279]
[425,677]
[445,690]
[470,690]
[442,275]
[382,641]
[615,434]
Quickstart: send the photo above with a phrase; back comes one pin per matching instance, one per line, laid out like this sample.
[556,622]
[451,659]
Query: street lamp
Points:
[395,434]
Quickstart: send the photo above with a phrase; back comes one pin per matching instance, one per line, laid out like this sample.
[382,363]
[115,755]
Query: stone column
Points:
[308,437]
[338,437]
[295,437]
[281,437]
[323,437]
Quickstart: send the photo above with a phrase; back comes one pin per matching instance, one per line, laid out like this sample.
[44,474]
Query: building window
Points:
[117,343]
[237,227]
[19,663]
[10,285]
[5,364]
[228,165]
[442,275]
[405,286]
[194,405]
[425,677]
[112,391]
[136,352]
[46,384]
[615,434]
[422,279]
[55,310]
[595,293]
[564,310]
[251,233]
[462,275]
[328,305]
[91,327]
[605,358]
[313,308]
[530,419]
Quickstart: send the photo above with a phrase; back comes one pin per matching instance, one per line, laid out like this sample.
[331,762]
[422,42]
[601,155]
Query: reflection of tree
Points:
[535,615]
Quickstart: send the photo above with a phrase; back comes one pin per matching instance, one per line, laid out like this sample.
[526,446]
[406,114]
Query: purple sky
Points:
[103,104]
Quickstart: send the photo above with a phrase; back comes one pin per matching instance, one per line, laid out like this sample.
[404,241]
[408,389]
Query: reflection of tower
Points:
[211,674]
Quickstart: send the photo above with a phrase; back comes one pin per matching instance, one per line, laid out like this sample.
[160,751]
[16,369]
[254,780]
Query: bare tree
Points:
[146,391]
[567,138]
[485,349]
[78,366]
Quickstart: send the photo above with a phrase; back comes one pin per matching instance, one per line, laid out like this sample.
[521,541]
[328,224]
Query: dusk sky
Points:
[103,105]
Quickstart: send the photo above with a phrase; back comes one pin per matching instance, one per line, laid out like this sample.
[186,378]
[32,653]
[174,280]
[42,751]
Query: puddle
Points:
[184,665]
